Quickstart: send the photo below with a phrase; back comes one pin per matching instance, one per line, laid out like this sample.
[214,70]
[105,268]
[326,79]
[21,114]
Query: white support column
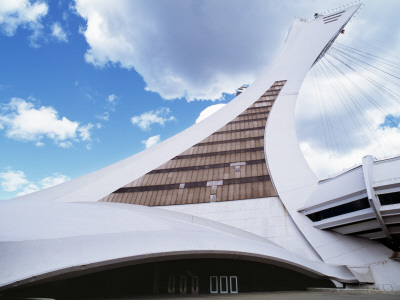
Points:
[367,167]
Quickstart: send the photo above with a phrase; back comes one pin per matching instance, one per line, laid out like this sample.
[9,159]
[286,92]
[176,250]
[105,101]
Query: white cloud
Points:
[86,135]
[104,116]
[16,181]
[24,13]
[201,49]
[58,32]
[13,180]
[112,101]
[151,141]
[330,137]
[30,188]
[25,122]
[53,180]
[111,98]
[326,163]
[159,116]
[22,121]
[66,144]
[208,111]
[191,49]
[84,132]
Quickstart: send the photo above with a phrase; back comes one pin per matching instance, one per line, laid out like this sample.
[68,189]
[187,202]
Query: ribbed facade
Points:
[228,165]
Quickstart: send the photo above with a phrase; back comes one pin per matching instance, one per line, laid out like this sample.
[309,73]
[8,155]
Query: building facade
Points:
[228,205]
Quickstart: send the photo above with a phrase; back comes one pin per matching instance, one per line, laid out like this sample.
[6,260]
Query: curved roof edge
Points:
[344,274]
[79,242]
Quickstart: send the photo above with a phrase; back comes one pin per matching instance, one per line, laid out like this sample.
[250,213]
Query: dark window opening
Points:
[390,198]
[339,210]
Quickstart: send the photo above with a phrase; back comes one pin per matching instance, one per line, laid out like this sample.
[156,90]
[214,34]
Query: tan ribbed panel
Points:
[228,165]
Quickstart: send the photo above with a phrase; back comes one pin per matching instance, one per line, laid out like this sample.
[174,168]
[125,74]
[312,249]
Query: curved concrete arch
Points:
[290,173]
[80,241]
[74,271]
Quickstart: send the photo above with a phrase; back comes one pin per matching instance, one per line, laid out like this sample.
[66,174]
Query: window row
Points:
[201,175]
[177,196]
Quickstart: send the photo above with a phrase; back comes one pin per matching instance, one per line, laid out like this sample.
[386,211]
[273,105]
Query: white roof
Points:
[41,239]
[350,185]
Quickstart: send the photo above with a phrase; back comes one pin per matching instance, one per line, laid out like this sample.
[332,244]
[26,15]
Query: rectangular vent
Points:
[240,163]
[215,182]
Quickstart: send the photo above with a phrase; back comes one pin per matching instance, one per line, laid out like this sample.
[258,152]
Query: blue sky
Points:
[84,84]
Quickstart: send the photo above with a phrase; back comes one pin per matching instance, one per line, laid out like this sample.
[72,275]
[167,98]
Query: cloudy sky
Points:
[84,84]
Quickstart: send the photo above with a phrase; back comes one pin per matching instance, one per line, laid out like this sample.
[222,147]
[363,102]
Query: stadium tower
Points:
[227,205]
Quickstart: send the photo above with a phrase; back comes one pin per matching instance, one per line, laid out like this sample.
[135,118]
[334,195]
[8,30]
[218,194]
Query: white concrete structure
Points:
[65,231]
